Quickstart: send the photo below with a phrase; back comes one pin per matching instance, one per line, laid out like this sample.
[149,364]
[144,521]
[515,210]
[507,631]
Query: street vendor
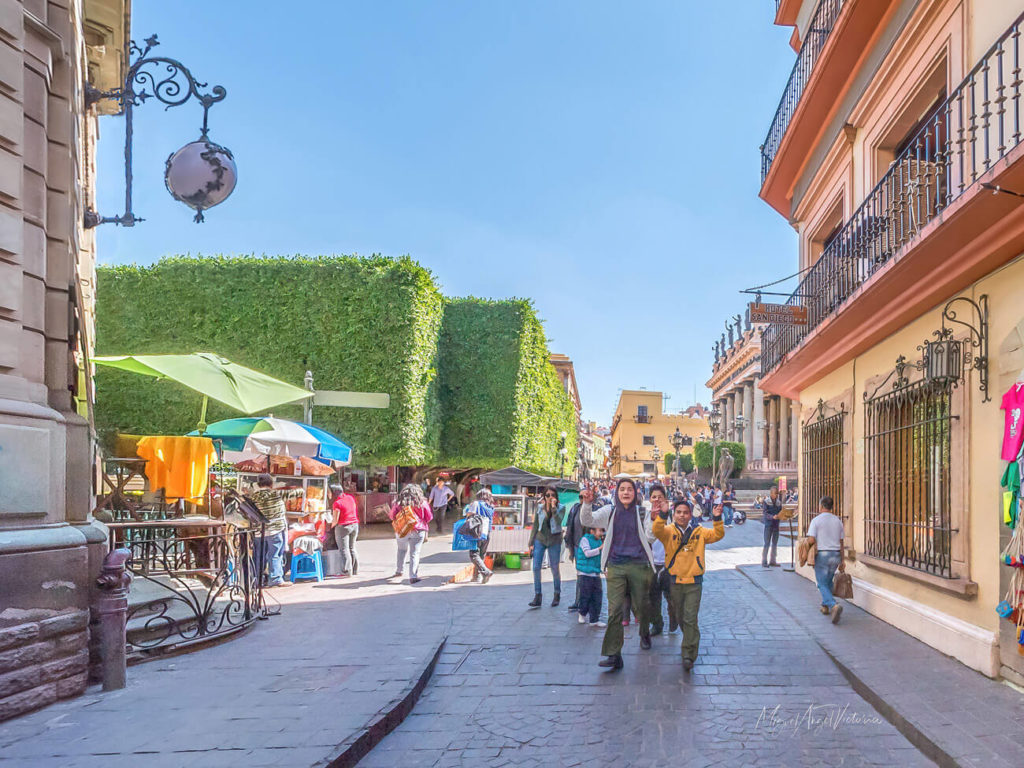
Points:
[271,503]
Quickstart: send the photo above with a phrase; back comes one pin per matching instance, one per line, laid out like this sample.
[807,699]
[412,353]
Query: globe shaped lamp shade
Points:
[201,175]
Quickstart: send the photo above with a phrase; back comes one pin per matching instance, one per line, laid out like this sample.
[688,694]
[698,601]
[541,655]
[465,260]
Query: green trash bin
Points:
[512,561]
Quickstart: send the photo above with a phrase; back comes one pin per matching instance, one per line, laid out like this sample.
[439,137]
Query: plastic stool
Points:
[307,567]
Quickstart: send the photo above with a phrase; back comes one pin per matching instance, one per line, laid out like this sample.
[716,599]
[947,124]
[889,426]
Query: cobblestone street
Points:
[323,681]
[521,687]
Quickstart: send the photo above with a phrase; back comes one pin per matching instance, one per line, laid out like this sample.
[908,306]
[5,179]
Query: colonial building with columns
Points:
[766,424]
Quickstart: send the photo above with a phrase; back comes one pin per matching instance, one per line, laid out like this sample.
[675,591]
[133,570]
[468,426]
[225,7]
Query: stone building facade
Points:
[50,548]
[766,424]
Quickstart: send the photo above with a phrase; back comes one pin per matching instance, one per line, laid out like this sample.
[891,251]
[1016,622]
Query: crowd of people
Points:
[642,542]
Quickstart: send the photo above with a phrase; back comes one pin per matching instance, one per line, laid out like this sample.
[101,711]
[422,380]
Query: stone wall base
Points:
[43,661]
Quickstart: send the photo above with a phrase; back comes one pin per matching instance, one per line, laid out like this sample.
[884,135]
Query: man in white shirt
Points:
[826,531]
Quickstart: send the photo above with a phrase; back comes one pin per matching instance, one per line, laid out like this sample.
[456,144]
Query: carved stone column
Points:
[748,411]
[759,419]
[773,428]
[794,420]
[784,428]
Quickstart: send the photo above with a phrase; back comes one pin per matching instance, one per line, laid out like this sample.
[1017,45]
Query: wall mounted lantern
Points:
[201,174]
[945,359]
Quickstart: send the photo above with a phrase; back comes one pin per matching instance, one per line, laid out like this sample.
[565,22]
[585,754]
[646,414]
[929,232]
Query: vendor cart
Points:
[513,518]
[314,498]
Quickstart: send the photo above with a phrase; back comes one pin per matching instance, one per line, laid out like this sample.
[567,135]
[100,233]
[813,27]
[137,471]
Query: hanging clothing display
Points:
[1011,497]
[1013,429]
[179,465]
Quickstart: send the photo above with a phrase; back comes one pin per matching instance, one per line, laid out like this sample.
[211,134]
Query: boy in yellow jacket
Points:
[684,541]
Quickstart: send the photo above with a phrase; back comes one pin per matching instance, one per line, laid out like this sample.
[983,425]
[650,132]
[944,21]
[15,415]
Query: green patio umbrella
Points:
[211,375]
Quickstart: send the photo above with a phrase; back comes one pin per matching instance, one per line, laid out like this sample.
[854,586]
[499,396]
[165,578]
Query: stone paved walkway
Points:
[295,690]
[520,687]
[953,713]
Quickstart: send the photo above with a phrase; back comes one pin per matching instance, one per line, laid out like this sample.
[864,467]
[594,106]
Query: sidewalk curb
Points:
[911,732]
[354,750]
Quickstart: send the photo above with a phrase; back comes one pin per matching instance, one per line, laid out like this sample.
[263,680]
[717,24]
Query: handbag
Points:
[842,586]
[473,527]
[404,522]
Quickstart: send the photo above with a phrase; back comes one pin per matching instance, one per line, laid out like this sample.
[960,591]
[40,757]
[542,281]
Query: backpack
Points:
[405,522]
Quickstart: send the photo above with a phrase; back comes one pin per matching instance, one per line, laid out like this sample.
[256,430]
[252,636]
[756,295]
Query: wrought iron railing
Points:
[194,587]
[907,506]
[818,30]
[979,123]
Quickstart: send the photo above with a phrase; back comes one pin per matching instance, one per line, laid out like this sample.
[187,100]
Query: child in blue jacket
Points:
[588,574]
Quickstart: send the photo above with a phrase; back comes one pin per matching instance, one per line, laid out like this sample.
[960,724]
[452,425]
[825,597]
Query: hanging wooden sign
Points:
[778,314]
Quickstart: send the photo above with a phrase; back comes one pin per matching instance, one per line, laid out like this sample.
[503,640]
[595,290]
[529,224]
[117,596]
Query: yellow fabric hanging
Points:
[179,465]
[1007,507]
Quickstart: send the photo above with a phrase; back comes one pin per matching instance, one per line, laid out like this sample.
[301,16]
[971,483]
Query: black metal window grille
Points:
[818,31]
[648,439]
[975,126]
[907,477]
[822,471]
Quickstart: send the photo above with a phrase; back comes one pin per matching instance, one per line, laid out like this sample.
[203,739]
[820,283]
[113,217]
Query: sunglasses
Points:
[550,495]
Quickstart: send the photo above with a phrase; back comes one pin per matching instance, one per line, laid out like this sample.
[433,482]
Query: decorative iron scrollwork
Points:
[174,86]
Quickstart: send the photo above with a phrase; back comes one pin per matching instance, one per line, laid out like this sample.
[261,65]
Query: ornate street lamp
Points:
[656,455]
[715,422]
[676,439]
[201,174]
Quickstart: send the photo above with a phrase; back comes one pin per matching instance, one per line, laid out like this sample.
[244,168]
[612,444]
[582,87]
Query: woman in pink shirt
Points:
[409,545]
[346,529]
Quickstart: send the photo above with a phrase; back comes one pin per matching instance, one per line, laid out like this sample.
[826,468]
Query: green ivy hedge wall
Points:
[470,380]
[702,453]
[366,324]
[501,399]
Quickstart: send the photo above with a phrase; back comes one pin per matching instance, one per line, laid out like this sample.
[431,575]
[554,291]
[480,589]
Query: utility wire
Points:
[776,282]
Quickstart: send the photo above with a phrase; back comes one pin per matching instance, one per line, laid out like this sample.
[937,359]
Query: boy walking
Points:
[684,541]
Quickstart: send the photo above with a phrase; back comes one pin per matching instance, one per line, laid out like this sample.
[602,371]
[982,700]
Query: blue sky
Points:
[598,157]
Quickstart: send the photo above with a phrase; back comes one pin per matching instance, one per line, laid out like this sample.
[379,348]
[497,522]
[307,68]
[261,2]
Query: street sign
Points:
[341,399]
[778,314]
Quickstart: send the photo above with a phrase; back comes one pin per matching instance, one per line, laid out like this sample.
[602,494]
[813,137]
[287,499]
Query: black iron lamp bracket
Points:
[974,347]
[976,343]
[169,82]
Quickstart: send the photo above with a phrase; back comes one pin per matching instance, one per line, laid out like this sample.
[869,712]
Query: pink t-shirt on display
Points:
[1013,431]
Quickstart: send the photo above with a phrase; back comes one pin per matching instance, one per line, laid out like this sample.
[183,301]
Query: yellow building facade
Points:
[641,432]
[887,158]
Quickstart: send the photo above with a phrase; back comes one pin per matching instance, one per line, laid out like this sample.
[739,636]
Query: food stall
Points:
[308,474]
[513,518]
[513,511]
[375,489]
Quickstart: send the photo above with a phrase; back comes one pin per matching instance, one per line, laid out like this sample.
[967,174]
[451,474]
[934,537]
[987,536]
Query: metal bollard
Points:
[112,608]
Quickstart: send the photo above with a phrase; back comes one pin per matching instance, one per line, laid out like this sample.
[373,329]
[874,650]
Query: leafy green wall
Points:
[364,324]
[686,463]
[702,453]
[470,380]
[543,408]
[502,401]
